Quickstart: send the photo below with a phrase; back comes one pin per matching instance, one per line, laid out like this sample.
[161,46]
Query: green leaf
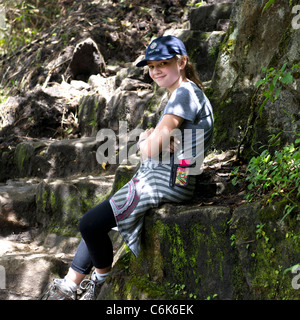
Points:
[259,83]
[292,269]
[262,106]
[288,78]
[268,4]
[277,93]
[283,68]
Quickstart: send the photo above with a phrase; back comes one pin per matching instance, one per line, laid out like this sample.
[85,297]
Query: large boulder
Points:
[191,252]
[268,248]
[87,60]
[27,274]
[206,17]
[182,246]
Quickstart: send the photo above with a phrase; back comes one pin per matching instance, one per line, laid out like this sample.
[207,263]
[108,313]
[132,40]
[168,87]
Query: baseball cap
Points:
[163,48]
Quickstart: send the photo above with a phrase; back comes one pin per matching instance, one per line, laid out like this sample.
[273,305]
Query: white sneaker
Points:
[57,291]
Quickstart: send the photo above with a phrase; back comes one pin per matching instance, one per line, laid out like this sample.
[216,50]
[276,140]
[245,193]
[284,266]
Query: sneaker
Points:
[91,288]
[56,291]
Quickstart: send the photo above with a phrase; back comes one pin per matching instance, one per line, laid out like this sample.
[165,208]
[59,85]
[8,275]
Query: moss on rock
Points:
[22,156]
[267,246]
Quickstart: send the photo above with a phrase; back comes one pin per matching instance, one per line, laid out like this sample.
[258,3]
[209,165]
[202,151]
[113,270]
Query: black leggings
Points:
[95,248]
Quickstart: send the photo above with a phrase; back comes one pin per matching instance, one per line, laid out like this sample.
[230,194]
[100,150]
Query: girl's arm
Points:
[151,141]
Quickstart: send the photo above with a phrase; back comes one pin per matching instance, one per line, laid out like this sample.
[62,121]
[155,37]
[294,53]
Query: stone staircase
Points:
[56,181]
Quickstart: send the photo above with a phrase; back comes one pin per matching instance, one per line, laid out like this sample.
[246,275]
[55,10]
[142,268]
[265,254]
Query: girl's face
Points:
[167,73]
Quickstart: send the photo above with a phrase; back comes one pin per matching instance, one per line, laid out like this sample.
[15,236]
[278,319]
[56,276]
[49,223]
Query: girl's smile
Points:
[166,73]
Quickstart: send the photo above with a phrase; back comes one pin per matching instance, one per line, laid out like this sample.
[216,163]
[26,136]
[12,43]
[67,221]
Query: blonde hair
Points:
[190,72]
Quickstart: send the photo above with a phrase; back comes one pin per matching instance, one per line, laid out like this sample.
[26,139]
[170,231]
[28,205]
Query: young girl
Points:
[156,181]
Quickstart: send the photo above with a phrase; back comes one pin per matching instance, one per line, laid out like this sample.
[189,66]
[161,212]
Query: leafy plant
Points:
[178,289]
[24,19]
[232,238]
[270,2]
[273,82]
[292,268]
[275,176]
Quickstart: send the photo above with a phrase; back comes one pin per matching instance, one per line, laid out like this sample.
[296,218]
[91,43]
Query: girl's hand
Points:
[152,141]
[144,135]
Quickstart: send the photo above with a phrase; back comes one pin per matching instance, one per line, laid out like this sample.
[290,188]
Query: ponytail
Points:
[191,74]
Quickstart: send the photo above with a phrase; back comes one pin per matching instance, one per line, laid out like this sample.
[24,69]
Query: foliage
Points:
[278,173]
[275,176]
[24,19]
[199,4]
[273,82]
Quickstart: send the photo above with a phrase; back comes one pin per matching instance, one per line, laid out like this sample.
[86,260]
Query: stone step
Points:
[26,274]
[216,177]
[27,267]
[61,203]
[55,206]
[61,158]
[58,203]
[49,204]
[17,206]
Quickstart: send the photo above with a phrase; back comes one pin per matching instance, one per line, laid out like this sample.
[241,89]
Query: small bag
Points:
[180,173]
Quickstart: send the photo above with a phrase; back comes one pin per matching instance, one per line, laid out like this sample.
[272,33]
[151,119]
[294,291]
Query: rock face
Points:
[207,17]
[30,264]
[191,252]
[247,48]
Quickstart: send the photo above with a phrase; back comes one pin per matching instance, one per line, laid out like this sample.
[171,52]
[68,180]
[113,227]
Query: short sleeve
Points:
[182,104]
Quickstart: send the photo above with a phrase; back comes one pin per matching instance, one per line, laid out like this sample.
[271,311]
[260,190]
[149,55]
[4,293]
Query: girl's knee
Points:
[81,225]
[85,224]
[98,220]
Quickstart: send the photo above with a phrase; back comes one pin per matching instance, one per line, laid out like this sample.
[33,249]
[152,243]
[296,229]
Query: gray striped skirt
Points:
[148,188]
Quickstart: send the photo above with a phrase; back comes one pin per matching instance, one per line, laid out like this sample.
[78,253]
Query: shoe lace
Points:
[89,285]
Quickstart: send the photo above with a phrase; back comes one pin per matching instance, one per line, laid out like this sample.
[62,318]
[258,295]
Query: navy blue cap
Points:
[163,48]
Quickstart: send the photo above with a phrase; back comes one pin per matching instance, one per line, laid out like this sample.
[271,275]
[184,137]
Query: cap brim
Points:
[144,62]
